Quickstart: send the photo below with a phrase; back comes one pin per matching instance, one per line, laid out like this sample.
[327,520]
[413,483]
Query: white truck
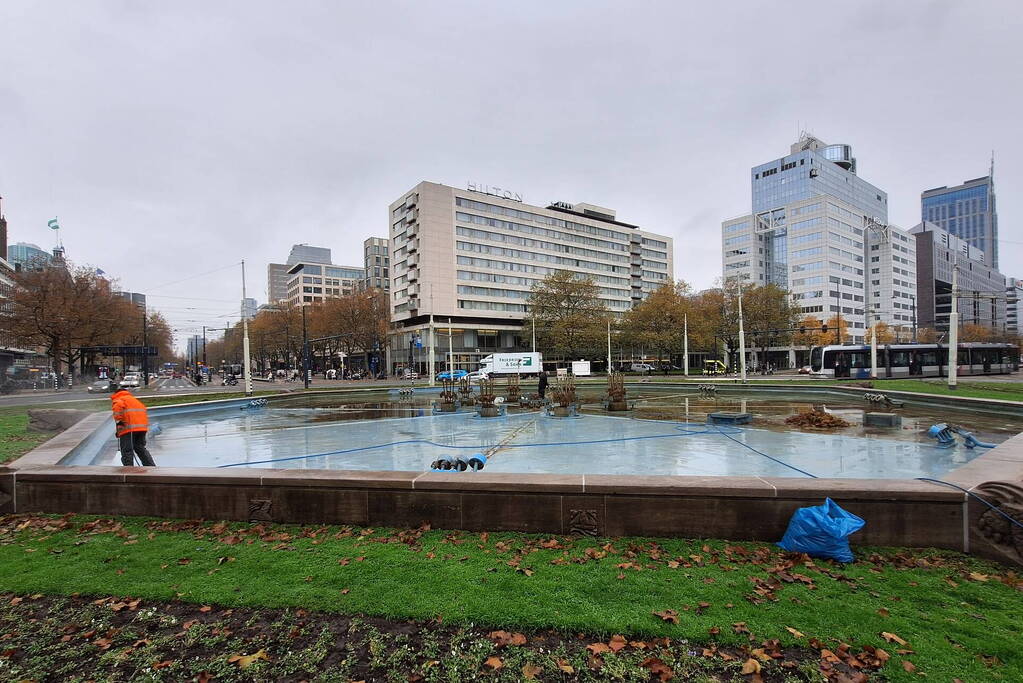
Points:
[511,363]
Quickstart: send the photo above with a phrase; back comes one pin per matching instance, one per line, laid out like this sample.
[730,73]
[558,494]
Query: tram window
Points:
[964,356]
[900,359]
[858,359]
[928,357]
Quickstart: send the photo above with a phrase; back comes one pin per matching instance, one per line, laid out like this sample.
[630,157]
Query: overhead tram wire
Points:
[192,277]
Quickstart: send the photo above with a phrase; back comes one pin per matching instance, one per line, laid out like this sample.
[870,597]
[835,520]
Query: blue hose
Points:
[972,494]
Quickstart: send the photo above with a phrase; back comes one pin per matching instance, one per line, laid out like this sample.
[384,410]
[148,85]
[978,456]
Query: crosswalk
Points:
[173,384]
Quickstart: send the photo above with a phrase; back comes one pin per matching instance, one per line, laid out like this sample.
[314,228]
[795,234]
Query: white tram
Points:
[912,360]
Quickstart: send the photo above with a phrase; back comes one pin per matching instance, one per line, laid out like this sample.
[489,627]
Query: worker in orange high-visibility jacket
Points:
[132,424]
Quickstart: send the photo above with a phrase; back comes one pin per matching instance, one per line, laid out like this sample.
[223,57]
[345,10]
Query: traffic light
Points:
[802,330]
[824,327]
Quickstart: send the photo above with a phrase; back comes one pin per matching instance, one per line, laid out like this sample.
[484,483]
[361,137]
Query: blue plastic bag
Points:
[822,531]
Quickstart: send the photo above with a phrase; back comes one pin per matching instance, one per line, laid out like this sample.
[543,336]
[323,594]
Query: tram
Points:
[912,360]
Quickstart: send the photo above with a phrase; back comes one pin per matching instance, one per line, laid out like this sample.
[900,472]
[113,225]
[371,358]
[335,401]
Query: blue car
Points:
[452,374]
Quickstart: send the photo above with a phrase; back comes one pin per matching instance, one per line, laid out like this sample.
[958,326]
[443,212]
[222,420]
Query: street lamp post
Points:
[742,341]
[912,298]
[685,344]
[145,350]
[953,331]
[246,361]
[305,351]
[873,348]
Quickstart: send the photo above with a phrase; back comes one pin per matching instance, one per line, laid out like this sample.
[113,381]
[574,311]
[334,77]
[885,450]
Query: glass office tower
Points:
[812,233]
[966,211]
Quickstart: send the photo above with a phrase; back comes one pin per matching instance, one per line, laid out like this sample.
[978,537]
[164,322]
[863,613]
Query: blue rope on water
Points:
[972,494]
[681,429]
[769,457]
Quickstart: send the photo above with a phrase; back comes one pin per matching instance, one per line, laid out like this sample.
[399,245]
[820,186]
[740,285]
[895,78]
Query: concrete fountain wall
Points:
[898,512]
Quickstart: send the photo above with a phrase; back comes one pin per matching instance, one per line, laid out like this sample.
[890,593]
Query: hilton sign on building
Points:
[468,259]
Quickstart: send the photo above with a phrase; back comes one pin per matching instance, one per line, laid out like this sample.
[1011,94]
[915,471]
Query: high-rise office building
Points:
[981,286]
[377,263]
[303,253]
[276,282]
[134,297]
[1013,303]
[25,256]
[310,283]
[3,232]
[194,348]
[277,275]
[966,211]
[821,232]
[463,263]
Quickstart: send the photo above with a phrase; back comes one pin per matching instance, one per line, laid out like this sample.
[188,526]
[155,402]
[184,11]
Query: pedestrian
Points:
[541,386]
[131,423]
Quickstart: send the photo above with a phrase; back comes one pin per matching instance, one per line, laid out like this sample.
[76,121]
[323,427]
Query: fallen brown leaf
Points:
[892,638]
[494,663]
[909,666]
[617,643]
[751,666]
[658,668]
[794,632]
[245,661]
[529,671]
[565,666]
[668,615]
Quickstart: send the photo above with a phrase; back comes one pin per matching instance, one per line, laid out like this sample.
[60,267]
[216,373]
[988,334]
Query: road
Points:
[167,386]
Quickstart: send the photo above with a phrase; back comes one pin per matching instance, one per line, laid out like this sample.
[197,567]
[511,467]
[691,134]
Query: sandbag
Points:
[822,531]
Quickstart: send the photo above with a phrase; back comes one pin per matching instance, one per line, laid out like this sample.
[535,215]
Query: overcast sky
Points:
[175,138]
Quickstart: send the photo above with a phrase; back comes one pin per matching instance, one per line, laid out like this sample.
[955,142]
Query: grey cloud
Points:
[174,138]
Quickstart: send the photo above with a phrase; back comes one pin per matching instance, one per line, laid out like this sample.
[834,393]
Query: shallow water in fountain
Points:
[366,432]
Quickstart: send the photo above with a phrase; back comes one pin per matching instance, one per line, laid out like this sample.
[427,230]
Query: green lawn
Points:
[15,439]
[959,616]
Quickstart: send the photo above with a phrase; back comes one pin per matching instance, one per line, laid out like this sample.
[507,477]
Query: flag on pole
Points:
[53,224]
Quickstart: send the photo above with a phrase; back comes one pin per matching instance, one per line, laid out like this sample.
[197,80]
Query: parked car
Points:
[131,380]
[641,367]
[805,370]
[101,386]
[477,375]
[452,374]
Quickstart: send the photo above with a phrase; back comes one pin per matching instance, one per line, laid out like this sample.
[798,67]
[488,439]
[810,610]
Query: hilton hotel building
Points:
[463,263]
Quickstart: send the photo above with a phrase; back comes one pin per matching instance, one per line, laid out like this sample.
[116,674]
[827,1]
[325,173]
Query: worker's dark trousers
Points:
[135,442]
